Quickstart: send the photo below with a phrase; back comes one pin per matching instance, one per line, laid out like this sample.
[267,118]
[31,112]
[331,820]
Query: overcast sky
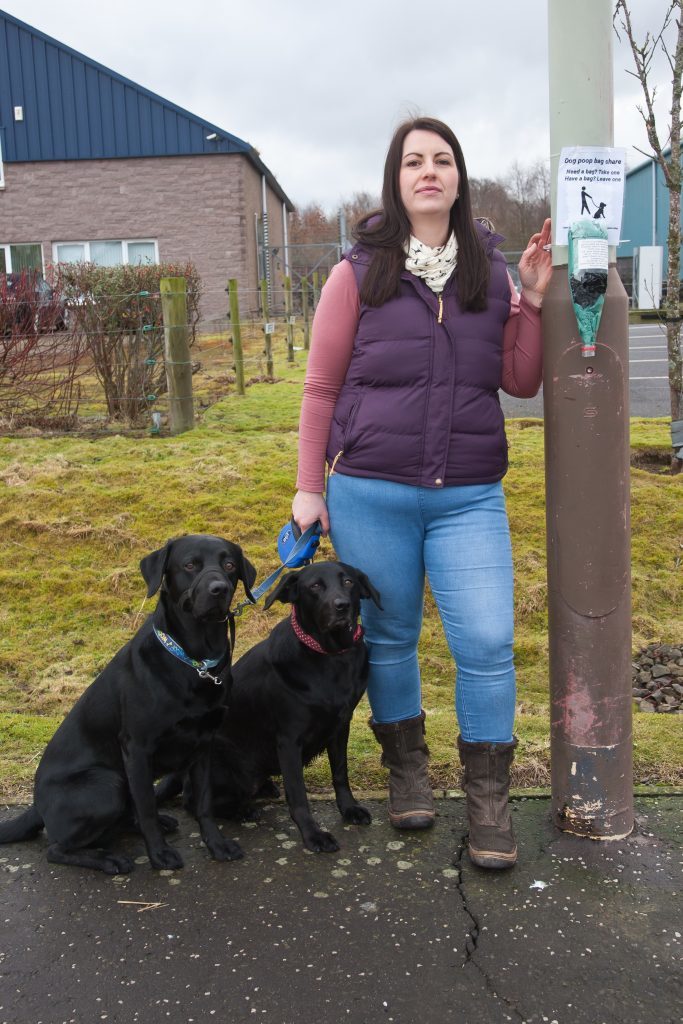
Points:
[318,87]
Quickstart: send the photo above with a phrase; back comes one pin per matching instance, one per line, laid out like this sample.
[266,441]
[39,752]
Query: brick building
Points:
[94,167]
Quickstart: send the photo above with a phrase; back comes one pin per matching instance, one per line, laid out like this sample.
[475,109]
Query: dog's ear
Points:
[153,567]
[366,588]
[286,590]
[247,573]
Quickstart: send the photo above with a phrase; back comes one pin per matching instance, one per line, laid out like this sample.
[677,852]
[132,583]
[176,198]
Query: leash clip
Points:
[204,673]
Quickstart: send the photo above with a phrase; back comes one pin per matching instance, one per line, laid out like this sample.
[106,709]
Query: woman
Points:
[416,330]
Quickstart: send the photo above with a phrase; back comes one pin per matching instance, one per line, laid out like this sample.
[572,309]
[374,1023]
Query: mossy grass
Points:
[79,512]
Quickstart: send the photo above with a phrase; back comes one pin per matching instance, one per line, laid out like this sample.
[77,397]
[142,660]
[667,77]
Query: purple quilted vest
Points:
[419,404]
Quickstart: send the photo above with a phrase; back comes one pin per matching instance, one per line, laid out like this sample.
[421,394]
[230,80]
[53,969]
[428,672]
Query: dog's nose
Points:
[218,587]
[342,604]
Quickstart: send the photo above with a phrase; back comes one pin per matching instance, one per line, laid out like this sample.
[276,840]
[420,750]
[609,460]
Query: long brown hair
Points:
[388,229]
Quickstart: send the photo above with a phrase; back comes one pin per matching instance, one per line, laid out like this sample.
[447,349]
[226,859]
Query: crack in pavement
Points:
[474,933]
[472,939]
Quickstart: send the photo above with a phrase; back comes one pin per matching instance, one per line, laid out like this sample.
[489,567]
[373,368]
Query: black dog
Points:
[293,697]
[147,713]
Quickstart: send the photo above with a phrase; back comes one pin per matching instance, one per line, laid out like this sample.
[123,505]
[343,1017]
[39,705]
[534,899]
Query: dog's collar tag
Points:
[201,667]
[311,642]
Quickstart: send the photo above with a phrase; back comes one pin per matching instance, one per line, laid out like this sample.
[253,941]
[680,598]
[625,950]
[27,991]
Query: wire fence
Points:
[106,364]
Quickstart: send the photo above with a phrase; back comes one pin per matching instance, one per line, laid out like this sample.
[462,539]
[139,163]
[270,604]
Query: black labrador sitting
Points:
[293,697]
[153,709]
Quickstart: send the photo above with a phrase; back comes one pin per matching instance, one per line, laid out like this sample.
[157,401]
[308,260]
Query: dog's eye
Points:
[315,586]
[190,566]
[228,566]
[348,582]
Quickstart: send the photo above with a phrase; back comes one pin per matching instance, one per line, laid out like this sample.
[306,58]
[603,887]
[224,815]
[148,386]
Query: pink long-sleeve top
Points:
[334,330]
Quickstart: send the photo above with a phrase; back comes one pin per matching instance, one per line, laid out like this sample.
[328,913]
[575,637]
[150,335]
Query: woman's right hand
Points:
[307,508]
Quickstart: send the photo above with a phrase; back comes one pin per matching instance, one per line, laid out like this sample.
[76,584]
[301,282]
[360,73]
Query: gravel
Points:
[657,679]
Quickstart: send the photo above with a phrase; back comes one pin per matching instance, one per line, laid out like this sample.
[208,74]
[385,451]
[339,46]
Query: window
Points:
[106,254]
[15,258]
[109,253]
[142,252]
[2,171]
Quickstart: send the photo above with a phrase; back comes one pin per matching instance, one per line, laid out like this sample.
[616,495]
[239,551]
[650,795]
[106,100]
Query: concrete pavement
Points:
[385,930]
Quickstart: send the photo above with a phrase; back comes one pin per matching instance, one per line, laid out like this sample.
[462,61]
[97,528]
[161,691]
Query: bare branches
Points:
[643,56]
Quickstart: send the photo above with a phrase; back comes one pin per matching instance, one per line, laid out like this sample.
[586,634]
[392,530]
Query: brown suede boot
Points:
[486,781]
[405,754]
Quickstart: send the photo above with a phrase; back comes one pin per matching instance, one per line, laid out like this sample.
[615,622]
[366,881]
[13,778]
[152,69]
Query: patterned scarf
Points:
[434,266]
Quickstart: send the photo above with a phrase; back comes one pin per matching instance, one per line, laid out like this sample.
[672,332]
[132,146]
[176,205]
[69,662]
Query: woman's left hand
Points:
[536,264]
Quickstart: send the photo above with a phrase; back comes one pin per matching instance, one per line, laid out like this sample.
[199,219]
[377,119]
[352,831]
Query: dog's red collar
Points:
[309,641]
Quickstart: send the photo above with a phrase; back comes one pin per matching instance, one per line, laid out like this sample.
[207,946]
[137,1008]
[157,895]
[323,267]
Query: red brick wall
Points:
[196,207]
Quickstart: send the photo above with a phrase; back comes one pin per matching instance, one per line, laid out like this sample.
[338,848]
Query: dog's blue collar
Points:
[174,648]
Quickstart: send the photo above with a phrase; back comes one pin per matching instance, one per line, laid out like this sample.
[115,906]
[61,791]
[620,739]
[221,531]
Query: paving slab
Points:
[388,929]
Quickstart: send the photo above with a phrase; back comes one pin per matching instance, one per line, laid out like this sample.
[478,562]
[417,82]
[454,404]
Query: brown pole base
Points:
[588,542]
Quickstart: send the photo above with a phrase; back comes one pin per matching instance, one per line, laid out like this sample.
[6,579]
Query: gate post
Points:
[173,291]
[236,329]
[289,313]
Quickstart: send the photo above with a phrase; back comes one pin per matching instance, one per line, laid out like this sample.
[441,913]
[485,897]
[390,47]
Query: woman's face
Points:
[428,178]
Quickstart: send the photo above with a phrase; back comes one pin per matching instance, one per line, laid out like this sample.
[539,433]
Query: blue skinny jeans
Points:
[459,538]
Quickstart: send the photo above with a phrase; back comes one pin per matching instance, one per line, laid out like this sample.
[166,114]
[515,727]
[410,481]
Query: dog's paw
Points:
[168,823]
[227,849]
[166,858]
[117,864]
[320,842]
[357,815]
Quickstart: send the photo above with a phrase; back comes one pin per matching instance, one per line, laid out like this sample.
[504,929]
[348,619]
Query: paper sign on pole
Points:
[590,186]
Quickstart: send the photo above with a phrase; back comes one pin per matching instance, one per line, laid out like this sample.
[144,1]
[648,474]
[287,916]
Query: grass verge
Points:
[77,514]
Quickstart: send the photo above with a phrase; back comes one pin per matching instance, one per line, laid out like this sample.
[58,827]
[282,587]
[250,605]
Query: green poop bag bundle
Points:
[588,265]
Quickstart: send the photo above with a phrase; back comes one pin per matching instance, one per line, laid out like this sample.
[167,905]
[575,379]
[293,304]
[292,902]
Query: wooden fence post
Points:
[267,329]
[173,292]
[236,335]
[316,288]
[289,312]
[304,310]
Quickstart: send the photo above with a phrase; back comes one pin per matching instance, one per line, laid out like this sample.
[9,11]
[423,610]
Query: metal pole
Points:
[285,239]
[343,240]
[304,311]
[587,475]
[266,233]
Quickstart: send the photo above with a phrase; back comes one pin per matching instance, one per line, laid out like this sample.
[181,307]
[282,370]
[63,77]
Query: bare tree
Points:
[667,154]
[360,204]
[528,190]
[490,199]
[311,225]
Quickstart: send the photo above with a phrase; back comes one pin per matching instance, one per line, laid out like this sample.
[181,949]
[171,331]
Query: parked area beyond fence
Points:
[84,359]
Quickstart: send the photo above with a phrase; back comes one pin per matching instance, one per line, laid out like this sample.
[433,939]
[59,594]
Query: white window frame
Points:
[125,242]
[8,258]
